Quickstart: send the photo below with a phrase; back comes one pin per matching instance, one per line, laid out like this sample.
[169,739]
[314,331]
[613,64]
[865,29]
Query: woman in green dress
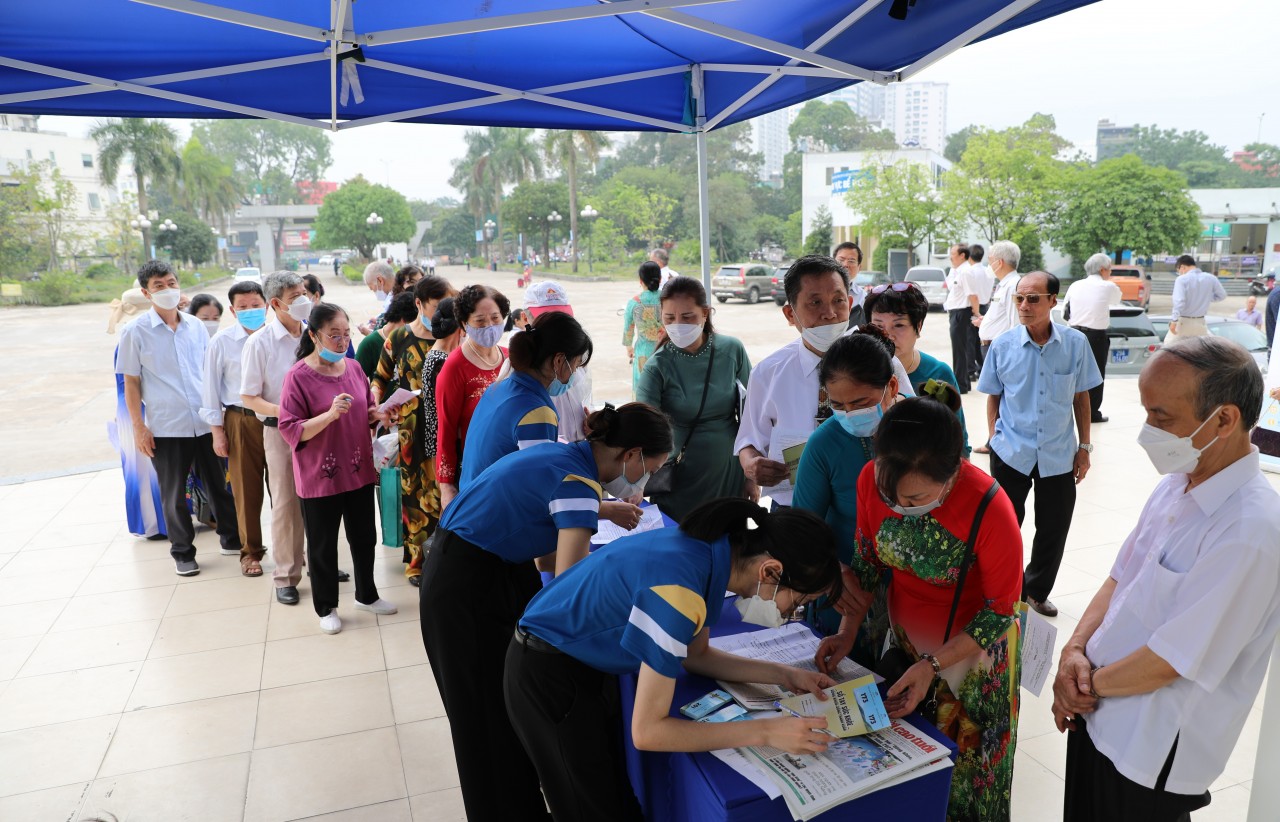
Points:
[642,327]
[400,366]
[673,380]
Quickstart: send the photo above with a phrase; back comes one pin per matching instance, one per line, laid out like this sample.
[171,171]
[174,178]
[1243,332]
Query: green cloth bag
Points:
[389,507]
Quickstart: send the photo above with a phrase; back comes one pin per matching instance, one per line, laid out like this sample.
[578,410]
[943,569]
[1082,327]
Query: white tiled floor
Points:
[120,680]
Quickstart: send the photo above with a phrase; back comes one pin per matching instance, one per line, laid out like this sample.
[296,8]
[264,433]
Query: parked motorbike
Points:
[1261,287]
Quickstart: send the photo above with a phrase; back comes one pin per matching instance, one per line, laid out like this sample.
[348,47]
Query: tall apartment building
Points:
[866,99]
[771,140]
[916,113]
[1113,140]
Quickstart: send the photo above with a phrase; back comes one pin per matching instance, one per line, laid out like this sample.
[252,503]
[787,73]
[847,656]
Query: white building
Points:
[770,138]
[916,113]
[22,143]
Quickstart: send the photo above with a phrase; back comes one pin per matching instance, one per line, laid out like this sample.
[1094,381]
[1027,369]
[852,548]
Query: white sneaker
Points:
[378,606]
[331,624]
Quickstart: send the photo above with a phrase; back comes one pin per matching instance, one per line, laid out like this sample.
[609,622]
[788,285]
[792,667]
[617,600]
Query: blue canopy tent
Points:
[663,65]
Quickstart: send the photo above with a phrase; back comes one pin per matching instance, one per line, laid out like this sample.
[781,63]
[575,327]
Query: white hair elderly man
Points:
[662,258]
[380,278]
[1164,666]
[1002,261]
[1087,309]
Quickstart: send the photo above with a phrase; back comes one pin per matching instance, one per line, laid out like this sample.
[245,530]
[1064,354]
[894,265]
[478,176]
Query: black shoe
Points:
[343,576]
[1097,418]
[287,595]
[1043,607]
[186,567]
[416,582]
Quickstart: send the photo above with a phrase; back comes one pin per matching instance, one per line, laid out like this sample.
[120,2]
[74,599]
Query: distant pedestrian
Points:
[1250,313]
[985,284]
[850,256]
[1088,310]
[642,323]
[962,306]
[1193,292]
[662,258]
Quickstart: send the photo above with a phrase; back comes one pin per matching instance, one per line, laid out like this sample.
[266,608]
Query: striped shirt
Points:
[516,507]
[513,414]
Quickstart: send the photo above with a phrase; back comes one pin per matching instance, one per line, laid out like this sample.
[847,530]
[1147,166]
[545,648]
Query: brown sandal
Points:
[250,567]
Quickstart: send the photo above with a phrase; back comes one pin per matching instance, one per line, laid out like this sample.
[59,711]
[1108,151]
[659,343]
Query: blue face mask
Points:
[557,387]
[252,318]
[864,421]
[331,356]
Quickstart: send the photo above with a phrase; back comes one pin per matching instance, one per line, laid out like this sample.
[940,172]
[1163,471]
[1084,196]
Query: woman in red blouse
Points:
[471,368]
[916,507]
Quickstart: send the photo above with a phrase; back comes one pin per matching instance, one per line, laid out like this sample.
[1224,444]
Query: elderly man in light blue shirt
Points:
[1193,292]
[1037,378]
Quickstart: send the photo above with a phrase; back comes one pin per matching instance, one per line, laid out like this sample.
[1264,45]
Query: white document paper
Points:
[399,397]
[793,644]
[741,763]
[1038,637]
[607,531]
[780,441]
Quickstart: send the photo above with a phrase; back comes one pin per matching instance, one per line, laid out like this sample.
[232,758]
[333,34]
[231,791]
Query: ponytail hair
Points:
[650,275]
[552,333]
[321,315]
[918,435]
[800,540]
[634,425]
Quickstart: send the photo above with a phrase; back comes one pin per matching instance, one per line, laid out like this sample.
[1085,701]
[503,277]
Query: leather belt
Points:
[531,642]
[240,409]
[271,422]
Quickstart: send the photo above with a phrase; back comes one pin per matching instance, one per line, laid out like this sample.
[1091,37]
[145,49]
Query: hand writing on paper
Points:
[796,736]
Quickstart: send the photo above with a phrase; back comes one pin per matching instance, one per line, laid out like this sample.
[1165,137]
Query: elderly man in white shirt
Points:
[785,401]
[1162,671]
[1193,292]
[660,256]
[237,431]
[1002,314]
[161,358]
[963,308]
[1088,310]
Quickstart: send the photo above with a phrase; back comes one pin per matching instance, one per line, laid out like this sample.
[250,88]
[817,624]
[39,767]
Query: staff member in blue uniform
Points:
[479,575]
[644,603]
[517,412]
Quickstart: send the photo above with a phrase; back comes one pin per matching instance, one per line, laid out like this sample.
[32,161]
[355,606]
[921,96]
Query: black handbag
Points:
[896,660]
[663,481]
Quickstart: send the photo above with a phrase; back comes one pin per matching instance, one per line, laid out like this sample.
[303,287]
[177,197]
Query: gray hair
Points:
[1228,375]
[1006,251]
[1097,264]
[376,269]
[660,255]
[278,282]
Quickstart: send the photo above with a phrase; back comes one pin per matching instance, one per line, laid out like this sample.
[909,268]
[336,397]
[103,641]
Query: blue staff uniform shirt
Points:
[513,414]
[517,506]
[639,599]
[1037,385]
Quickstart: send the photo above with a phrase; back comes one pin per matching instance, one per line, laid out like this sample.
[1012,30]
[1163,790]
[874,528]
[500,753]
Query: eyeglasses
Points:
[337,338]
[1033,299]
[898,287]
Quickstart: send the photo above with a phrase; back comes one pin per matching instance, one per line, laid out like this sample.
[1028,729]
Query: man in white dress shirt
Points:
[1088,310]
[984,283]
[850,256]
[1193,292]
[1162,671]
[963,308]
[162,360]
[237,431]
[660,256]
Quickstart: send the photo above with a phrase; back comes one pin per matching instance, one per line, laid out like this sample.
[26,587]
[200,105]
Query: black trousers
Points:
[975,343]
[1100,345]
[961,355]
[1097,792]
[470,601]
[174,458]
[320,519]
[1055,503]
[568,716]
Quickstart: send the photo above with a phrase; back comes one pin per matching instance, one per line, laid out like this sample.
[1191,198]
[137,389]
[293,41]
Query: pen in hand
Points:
[782,707]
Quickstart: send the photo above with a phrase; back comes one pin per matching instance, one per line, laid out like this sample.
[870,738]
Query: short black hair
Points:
[152,269]
[977,252]
[918,435]
[911,303]
[846,245]
[1186,259]
[244,287]
[464,304]
[199,301]
[401,309]
[811,265]
[961,249]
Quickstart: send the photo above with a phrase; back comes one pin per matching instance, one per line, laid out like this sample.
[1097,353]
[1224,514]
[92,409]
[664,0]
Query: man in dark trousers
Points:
[1088,310]
[961,305]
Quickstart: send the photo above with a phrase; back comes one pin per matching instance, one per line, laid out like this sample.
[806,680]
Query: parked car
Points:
[326,259]
[1254,341]
[866,280]
[249,275]
[1134,282]
[1133,337]
[747,281]
[776,290]
[930,280]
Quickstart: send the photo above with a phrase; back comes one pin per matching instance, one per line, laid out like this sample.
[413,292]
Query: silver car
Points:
[1134,339]
[932,281]
[1254,341]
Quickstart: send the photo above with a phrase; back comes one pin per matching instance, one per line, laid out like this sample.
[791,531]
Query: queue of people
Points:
[900,551]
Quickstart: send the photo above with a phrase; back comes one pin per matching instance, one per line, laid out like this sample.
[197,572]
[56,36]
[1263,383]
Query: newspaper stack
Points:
[793,644]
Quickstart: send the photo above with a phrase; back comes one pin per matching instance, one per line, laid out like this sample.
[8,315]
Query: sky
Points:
[1174,63]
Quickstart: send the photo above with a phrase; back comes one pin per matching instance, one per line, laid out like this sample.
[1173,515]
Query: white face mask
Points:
[212,326]
[623,488]
[1171,454]
[919,510]
[756,610]
[300,309]
[167,298]
[683,335]
[822,337]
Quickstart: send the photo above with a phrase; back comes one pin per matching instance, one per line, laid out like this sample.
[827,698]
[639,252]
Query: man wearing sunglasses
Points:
[1037,379]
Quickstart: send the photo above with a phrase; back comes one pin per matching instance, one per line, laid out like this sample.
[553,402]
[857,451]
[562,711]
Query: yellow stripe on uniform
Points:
[595,486]
[540,414]
[691,605]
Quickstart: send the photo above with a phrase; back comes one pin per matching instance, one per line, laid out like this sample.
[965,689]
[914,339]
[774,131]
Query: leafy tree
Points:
[791,239]
[766,228]
[496,158]
[209,186]
[730,215]
[642,216]
[880,257]
[150,145]
[957,142]
[455,232]
[793,179]
[191,242]
[900,200]
[566,149]
[46,202]
[1124,204]
[728,150]
[835,126]
[819,239]
[1266,158]
[342,218]
[528,205]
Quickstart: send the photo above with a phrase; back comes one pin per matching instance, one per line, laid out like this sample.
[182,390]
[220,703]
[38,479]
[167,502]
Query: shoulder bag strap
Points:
[968,554]
[701,405]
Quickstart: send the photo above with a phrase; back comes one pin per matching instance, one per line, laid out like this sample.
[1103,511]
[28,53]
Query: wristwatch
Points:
[1086,447]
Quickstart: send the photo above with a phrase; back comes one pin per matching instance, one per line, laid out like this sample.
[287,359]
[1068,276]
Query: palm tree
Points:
[209,187]
[471,176]
[565,148]
[152,147]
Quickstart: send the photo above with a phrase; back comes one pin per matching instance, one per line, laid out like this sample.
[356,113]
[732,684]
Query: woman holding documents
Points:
[947,536]
[644,603]
[480,574]
[697,378]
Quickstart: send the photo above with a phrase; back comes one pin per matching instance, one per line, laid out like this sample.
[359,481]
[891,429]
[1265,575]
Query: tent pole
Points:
[1264,793]
[704,211]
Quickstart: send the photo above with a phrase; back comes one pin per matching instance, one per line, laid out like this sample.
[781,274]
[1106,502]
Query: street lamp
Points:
[553,218]
[141,224]
[589,214]
[373,221]
[489,226]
